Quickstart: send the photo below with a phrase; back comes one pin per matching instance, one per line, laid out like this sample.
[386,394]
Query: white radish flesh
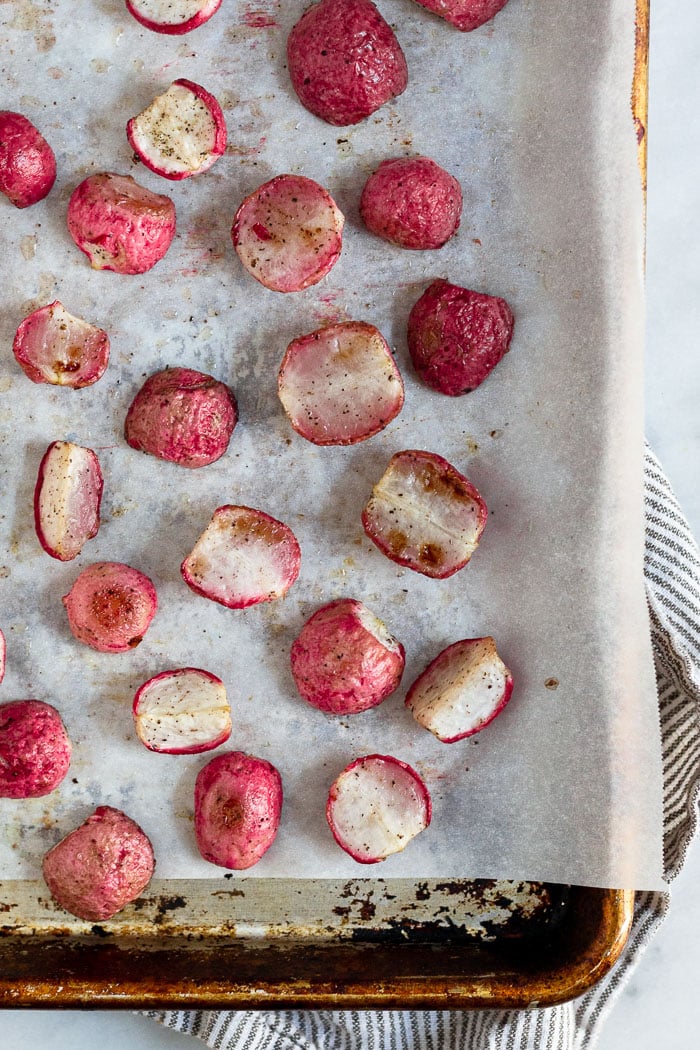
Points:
[173,17]
[53,346]
[67,499]
[182,712]
[181,133]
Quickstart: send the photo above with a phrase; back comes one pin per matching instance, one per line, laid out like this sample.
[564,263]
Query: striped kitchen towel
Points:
[672,572]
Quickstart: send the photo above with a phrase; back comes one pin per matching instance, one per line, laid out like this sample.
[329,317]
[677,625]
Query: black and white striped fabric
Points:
[672,572]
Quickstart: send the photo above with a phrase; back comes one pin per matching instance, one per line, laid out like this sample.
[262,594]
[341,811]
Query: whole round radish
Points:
[237,809]
[340,384]
[424,514]
[27,162]
[53,346]
[456,337]
[344,60]
[173,17]
[182,133]
[461,690]
[101,866]
[243,557]
[376,806]
[110,606]
[35,749]
[412,202]
[120,225]
[344,660]
[288,233]
[67,499]
[182,416]
[182,712]
[464,14]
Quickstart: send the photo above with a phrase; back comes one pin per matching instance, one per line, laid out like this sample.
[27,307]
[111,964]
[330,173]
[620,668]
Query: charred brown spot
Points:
[112,606]
[431,554]
[397,540]
[230,812]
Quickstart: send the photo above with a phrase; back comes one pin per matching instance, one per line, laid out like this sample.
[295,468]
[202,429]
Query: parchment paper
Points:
[531,113]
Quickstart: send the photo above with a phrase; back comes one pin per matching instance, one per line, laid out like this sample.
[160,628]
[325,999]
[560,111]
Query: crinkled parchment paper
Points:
[531,113]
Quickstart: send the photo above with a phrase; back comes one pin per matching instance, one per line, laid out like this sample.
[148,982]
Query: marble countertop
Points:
[659,1006]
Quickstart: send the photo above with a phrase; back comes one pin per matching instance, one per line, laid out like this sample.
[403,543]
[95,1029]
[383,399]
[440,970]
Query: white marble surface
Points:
[659,1008]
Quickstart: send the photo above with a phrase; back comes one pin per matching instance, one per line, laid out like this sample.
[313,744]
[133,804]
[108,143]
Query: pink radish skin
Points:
[110,606]
[425,515]
[340,384]
[27,162]
[456,337]
[101,866]
[288,233]
[182,712]
[67,499]
[344,660]
[35,749]
[461,691]
[120,225]
[345,61]
[465,15]
[182,133]
[53,346]
[412,202]
[243,557]
[376,806]
[182,416]
[237,809]
[173,17]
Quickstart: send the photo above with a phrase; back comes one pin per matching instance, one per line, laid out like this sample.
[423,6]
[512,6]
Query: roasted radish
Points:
[120,225]
[173,17]
[340,384]
[345,61]
[376,806]
[181,133]
[67,499]
[110,606]
[101,866]
[288,233]
[344,659]
[412,202]
[182,712]
[183,416]
[52,346]
[35,749]
[27,162]
[464,14]
[456,337]
[424,514]
[461,691]
[243,557]
[237,809]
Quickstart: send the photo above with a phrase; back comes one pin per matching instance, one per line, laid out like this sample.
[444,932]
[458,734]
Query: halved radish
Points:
[120,225]
[27,162]
[173,17]
[181,133]
[462,690]
[3,655]
[376,806]
[35,749]
[288,233]
[53,346]
[110,606]
[67,499]
[424,514]
[340,384]
[464,14]
[344,659]
[237,809]
[243,557]
[182,712]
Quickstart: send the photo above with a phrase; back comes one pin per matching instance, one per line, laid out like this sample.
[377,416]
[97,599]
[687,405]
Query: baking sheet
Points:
[532,115]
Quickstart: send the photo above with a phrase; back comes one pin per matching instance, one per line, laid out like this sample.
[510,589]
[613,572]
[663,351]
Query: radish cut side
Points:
[243,557]
[182,712]
[462,690]
[110,606]
[425,515]
[67,499]
[181,133]
[173,17]
[376,806]
[340,384]
[53,346]
[288,233]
